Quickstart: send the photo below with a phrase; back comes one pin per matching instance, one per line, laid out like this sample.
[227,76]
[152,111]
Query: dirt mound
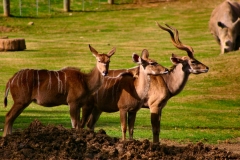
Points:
[56,142]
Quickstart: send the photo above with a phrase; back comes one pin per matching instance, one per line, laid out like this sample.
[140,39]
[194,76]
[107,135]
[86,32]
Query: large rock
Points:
[16,44]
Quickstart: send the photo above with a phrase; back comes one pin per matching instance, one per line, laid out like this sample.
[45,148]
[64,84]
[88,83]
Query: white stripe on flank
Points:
[59,81]
[21,84]
[14,78]
[38,82]
[27,79]
[113,89]
[49,81]
[65,76]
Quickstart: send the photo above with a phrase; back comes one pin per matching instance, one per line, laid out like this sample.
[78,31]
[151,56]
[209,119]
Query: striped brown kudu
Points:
[123,93]
[67,86]
[163,87]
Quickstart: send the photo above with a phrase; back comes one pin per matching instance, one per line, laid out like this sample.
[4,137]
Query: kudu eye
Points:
[194,62]
[153,63]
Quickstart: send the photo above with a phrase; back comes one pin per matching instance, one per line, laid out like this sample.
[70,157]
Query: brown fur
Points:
[47,88]
[163,87]
[123,93]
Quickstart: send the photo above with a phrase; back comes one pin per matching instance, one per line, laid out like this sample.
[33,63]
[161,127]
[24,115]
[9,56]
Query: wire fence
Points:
[37,7]
[33,8]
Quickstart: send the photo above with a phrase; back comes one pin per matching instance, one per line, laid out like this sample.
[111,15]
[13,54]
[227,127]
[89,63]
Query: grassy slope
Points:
[206,110]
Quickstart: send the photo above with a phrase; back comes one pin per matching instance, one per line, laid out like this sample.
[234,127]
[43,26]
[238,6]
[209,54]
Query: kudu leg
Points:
[86,112]
[155,121]
[123,119]
[11,116]
[131,122]
[93,118]
[75,115]
[155,126]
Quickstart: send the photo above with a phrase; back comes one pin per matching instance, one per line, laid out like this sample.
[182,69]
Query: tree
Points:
[111,1]
[66,5]
[6,7]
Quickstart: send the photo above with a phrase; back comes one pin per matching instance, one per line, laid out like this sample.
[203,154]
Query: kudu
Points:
[163,87]
[123,93]
[67,86]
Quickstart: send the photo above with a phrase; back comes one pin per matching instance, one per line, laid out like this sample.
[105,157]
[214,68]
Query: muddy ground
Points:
[56,142]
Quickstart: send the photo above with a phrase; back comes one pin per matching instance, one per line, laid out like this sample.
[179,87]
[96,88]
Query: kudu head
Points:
[149,66]
[103,60]
[194,66]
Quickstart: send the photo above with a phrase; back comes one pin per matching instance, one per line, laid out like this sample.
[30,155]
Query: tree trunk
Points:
[66,5]
[111,1]
[6,7]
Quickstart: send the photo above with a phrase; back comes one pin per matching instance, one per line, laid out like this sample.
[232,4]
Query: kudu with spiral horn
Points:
[163,87]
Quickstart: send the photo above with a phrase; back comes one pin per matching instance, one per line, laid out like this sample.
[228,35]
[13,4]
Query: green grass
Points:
[208,109]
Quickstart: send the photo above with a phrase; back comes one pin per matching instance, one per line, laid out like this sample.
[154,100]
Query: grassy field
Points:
[207,110]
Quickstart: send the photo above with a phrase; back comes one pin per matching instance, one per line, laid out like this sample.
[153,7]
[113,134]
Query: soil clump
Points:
[40,141]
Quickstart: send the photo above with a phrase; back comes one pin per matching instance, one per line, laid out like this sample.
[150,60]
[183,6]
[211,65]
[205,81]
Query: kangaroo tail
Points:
[6,94]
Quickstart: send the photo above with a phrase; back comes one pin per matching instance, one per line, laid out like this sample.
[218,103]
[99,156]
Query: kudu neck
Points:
[142,83]
[176,79]
[94,79]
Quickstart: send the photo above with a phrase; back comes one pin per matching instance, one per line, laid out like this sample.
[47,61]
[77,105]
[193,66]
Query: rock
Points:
[30,23]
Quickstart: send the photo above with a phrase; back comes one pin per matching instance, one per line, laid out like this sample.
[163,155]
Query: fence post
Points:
[6,7]
[111,1]
[66,5]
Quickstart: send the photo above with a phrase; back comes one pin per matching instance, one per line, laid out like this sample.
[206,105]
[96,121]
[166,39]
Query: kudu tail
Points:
[6,94]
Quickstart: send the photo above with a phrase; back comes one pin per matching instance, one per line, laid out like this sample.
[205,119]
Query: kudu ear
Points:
[175,60]
[136,58]
[110,53]
[145,54]
[94,52]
